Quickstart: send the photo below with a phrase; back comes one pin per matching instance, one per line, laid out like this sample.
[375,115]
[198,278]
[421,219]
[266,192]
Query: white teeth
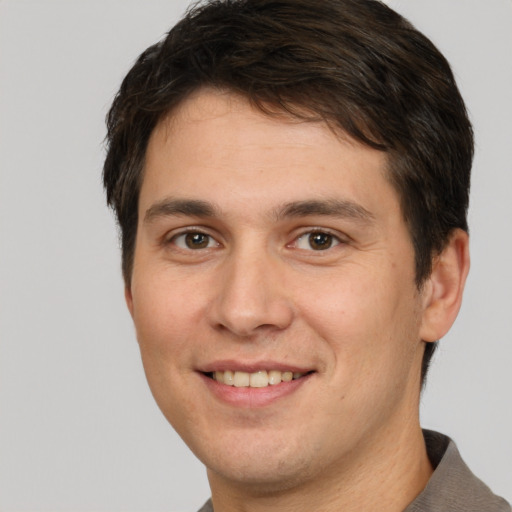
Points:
[229,378]
[259,379]
[242,379]
[274,377]
[287,376]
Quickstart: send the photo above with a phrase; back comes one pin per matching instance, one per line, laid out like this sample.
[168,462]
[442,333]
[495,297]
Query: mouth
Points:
[257,379]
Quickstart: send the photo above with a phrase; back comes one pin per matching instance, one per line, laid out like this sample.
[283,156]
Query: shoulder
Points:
[453,487]
[207,507]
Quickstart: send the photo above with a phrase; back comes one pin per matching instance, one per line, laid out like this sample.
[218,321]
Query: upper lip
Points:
[252,366]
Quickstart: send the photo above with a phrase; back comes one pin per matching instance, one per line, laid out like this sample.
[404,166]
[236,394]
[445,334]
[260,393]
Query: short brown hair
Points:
[356,64]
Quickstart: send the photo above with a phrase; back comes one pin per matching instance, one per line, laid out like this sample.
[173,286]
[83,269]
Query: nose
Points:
[252,296]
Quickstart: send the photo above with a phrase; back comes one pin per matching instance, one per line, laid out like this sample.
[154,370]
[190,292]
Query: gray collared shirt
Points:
[451,488]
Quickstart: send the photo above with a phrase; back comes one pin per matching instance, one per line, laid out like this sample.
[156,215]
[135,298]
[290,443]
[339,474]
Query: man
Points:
[291,180]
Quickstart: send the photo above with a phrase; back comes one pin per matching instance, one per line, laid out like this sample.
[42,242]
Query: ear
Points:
[128,298]
[442,292]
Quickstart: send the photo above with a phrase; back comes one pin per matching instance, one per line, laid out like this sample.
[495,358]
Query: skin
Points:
[348,437]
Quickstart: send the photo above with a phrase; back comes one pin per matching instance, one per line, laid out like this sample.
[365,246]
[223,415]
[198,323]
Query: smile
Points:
[258,379]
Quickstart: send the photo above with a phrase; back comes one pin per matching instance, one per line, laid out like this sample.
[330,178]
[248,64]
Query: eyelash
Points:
[333,240]
[191,232]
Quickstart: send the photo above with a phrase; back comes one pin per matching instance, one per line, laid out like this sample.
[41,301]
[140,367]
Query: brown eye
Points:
[316,241]
[197,240]
[320,241]
[194,241]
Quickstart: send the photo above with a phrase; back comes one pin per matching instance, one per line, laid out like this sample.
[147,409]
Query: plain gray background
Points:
[78,428]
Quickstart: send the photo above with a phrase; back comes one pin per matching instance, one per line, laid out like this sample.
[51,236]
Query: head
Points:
[355,64]
[281,127]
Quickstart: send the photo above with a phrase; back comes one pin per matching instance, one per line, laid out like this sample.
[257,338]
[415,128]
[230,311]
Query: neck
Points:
[385,475]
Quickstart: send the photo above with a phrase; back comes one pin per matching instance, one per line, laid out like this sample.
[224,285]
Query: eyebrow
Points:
[177,207]
[328,207]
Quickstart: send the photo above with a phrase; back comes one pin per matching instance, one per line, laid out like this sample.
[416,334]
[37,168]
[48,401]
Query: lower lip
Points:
[253,397]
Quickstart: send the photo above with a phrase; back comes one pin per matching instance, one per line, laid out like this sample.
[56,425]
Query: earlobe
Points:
[128,298]
[445,286]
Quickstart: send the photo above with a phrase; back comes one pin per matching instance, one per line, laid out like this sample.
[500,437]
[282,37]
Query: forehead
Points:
[218,146]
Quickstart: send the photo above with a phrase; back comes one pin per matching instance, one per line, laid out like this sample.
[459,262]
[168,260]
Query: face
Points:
[270,249]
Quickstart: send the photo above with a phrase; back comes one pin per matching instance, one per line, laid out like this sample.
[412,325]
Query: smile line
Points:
[258,379]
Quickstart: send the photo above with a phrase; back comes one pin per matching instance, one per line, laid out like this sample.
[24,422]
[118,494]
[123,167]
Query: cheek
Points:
[341,306]
[162,323]
[366,318]
[163,312]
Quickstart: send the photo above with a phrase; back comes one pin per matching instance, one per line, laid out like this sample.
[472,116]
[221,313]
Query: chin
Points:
[264,464]
[262,476]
